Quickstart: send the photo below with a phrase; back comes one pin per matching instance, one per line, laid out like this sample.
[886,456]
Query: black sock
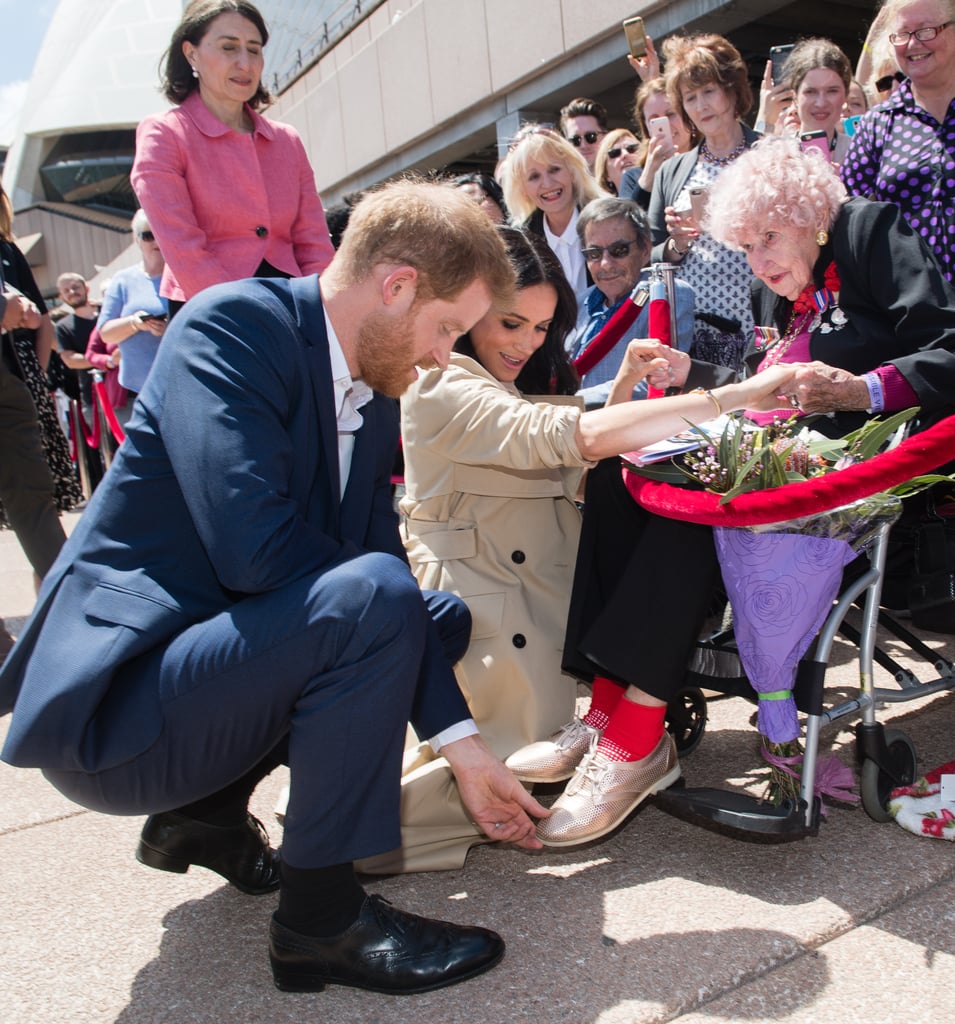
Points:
[229,806]
[319,901]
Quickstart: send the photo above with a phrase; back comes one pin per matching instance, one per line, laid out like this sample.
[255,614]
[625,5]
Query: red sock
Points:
[633,731]
[605,698]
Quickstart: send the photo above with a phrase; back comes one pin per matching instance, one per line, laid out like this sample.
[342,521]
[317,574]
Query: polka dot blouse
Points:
[901,154]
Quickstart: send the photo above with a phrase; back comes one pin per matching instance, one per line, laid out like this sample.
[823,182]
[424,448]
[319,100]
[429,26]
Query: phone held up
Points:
[779,55]
[636,36]
[816,140]
[698,199]
[660,129]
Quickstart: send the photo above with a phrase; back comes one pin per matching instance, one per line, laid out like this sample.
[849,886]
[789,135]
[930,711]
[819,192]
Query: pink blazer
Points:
[219,202]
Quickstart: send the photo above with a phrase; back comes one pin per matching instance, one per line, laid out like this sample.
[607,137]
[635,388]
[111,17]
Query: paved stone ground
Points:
[661,922]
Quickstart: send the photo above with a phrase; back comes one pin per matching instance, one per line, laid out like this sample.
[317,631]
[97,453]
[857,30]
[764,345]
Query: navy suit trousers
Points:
[330,663]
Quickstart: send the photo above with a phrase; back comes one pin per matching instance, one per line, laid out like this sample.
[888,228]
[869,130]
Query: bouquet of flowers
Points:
[782,578]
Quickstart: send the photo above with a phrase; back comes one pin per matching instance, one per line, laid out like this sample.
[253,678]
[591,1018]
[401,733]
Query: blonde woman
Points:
[546,183]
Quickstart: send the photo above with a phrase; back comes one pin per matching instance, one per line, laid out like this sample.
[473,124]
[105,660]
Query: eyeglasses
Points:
[884,84]
[631,147]
[616,251]
[923,35]
[591,137]
[145,236]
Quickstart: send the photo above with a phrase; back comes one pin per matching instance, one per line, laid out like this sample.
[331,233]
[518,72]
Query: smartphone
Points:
[159,318]
[849,124]
[699,196]
[816,140]
[636,36]
[659,128]
[779,55]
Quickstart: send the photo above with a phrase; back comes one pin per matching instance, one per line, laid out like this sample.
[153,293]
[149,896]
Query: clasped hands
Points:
[812,387]
[20,313]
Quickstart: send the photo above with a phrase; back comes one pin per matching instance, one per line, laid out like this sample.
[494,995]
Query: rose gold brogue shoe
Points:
[603,792]
[556,758]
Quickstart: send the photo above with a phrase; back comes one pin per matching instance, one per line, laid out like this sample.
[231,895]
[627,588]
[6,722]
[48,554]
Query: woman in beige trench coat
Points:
[489,514]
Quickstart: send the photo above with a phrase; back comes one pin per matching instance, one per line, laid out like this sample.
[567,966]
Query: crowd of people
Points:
[242,593]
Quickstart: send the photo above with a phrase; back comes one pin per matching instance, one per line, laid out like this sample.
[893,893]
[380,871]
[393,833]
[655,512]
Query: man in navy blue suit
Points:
[236,597]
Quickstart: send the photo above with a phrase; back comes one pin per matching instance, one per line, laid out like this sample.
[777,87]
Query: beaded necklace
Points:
[792,332]
[721,161]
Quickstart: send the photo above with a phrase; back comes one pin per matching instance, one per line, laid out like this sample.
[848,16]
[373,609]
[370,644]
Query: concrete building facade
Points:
[375,87]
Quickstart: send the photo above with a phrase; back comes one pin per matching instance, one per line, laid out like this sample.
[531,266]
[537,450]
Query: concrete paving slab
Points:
[899,969]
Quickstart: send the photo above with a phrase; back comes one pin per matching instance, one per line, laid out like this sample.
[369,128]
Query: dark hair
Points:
[696,61]
[549,370]
[491,188]
[337,216]
[810,54]
[583,107]
[611,207]
[177,78]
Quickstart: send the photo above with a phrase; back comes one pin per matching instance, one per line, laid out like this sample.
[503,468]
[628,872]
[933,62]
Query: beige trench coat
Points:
[488,514]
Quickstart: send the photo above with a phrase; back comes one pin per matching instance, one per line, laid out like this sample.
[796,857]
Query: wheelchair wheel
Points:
[875,785]
[686,718]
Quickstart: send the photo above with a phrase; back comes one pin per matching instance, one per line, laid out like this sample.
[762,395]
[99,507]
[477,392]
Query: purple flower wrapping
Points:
[781,587]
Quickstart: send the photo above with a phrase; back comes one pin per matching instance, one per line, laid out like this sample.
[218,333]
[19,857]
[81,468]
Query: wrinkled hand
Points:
[498,803]
[646,67]
[20,312]
[823,388]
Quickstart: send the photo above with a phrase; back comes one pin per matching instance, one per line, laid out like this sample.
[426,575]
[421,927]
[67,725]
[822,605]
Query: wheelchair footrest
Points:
[740,815]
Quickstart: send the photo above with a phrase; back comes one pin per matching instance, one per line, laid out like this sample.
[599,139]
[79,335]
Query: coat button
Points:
[519,640]
[518,557]
[262,231]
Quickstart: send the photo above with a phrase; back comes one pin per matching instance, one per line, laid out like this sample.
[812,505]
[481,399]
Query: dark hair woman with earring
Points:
[228,193]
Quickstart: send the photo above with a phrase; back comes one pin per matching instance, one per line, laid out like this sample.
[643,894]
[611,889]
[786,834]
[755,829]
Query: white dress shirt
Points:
[566,247]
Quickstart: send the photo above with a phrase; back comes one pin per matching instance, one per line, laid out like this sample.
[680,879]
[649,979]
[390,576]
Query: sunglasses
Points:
[616,251]
[591,137]
[884,84]
[631,147]
[146,236]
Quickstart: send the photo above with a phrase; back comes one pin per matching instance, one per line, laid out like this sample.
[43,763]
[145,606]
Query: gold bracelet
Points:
[709,394]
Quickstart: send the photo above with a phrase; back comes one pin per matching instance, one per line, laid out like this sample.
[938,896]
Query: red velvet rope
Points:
[115,429]
[91,436]
[608,336]
[918,454]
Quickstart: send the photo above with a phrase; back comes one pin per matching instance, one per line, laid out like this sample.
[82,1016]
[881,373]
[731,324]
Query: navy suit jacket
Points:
[227,485]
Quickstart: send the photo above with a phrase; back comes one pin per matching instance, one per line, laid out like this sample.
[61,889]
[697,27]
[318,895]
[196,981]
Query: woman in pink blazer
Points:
[228,193]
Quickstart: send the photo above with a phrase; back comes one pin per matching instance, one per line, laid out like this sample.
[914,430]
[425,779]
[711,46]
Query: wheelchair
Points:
[886,757]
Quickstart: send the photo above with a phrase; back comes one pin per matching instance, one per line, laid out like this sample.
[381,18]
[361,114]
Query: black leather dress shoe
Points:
[240,853]
[385,950]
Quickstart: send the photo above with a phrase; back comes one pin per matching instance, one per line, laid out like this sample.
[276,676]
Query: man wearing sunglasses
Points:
[583,123]
[615,239]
